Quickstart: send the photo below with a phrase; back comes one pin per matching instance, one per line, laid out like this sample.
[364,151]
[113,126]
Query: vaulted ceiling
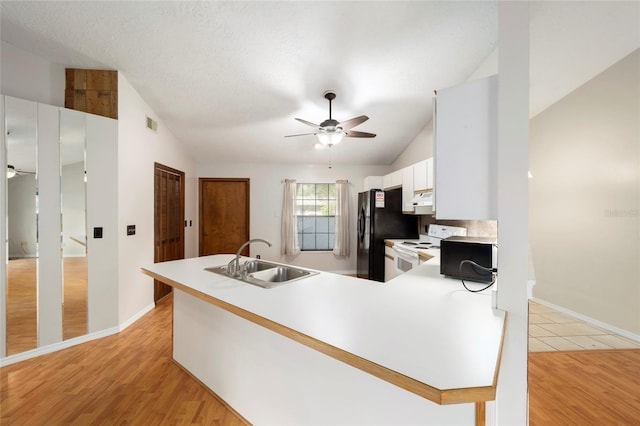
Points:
[228,78]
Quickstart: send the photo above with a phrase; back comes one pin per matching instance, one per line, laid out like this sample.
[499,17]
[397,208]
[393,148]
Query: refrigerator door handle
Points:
[361,225]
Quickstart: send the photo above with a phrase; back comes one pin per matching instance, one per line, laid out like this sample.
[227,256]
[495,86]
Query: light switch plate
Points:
[97,232]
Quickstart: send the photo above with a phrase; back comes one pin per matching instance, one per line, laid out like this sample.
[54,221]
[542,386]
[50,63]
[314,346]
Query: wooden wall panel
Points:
[92,91]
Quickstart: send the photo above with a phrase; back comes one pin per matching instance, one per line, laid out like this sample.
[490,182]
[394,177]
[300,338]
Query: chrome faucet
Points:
[233,267]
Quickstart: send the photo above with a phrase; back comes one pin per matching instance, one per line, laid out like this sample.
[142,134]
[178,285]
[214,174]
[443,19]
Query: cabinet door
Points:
[420,176]
[392,180]
[429,165]
[372,182]
[407,189]
[466,123]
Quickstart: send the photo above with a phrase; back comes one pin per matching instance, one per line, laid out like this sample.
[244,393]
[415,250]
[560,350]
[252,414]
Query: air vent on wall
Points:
[152,124]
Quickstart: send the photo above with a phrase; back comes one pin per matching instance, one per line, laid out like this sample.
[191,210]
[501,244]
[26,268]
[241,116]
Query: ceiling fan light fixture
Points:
[330,139]
[11,171]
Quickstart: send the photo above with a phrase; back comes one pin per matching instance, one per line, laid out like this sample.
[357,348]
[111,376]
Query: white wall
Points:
[266,204]
[419,149]
[31,77]
[585,198]
[138,149]
[102,211]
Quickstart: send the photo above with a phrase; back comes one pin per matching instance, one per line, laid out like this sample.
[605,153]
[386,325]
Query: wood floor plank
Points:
[22,304]
[128,378]
[599,387]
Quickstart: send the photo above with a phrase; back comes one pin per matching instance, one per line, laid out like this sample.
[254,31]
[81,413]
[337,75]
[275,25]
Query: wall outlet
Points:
[131,230]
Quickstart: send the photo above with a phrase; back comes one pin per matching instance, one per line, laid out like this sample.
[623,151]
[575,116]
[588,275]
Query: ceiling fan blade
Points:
[346,125]
[308,123]
[356,134]
[299,134]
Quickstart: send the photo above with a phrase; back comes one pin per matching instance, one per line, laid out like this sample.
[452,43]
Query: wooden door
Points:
[224,215]
[168,220]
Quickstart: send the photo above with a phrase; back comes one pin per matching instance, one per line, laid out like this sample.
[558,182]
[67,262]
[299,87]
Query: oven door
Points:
[405,259]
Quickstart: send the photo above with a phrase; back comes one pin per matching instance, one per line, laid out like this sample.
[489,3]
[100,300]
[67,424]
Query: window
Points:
[315,211]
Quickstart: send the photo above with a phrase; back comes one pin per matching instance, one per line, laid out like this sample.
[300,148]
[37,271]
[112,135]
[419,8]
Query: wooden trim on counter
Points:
[388,256]
[481,413]
[442,397]
[388,243]
[424,256]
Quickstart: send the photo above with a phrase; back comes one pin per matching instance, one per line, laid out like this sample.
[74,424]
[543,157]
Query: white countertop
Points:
[420,325]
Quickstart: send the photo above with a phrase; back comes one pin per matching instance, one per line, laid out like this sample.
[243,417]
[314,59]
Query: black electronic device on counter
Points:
[468,258]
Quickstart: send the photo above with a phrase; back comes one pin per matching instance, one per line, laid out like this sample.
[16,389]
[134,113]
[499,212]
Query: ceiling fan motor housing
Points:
[329,95]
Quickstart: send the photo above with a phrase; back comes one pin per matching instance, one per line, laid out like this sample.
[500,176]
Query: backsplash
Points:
[475,228]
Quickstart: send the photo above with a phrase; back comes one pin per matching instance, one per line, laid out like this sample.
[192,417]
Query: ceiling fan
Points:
[330,132]
[12,171]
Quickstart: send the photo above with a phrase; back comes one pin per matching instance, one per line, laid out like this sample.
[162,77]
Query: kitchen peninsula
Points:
[331,349]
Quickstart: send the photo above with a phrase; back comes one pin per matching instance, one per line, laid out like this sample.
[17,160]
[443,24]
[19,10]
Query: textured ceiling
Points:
[228,78]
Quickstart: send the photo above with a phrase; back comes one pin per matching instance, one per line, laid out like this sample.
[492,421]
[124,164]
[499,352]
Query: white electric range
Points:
[407,252]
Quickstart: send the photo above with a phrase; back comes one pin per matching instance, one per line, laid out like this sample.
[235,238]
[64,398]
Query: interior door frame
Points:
[201,182]
[158,166]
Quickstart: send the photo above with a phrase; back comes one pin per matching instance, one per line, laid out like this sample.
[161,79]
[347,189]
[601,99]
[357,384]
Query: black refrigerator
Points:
[380,217]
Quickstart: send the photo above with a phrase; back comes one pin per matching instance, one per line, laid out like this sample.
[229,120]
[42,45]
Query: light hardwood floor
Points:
[22,318]
[129,378]
[597,387]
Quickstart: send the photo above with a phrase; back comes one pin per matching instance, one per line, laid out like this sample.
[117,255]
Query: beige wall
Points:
[138,149]
[419,149]
[266,205]
[584,198]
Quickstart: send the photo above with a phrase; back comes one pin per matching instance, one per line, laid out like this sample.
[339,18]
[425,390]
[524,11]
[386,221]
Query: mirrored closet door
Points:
[22,225]
[74,223]
[47,287]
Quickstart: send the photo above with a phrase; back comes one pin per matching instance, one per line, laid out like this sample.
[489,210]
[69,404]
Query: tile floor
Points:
[550,330]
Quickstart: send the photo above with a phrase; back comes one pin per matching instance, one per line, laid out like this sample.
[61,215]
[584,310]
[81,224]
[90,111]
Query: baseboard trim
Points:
[624,333]
[23,356]
[54,347]
[136,317]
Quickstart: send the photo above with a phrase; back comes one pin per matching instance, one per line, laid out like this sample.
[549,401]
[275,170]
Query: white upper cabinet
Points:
[420,176]
[423,175]
[466,141]
[372,182]
[407,189]
[392,180]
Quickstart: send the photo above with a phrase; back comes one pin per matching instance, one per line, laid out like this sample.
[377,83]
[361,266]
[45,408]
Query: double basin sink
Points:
[265,274]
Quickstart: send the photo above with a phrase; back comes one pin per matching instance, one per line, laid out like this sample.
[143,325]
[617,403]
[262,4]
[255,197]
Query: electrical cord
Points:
[481,270]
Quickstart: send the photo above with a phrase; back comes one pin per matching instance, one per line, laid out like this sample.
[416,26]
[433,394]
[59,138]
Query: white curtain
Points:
[341,239]
[289,229]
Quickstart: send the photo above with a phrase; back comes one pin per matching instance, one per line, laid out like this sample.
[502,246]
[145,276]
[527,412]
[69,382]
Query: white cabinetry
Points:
[389,263]
[407,189]
[420,176]
[392,180]
[465,129]
[423,175]
[372,182]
